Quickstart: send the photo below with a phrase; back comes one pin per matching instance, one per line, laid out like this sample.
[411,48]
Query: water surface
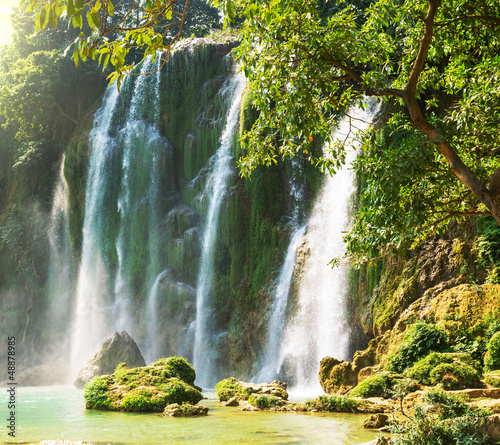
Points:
[59,413]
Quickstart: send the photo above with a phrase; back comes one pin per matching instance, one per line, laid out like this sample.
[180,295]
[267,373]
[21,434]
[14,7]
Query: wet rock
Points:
[245,406]
[118,348]
[376,421]
[337,376]
[491,427]
[233,401]
[233,388]
[176,410]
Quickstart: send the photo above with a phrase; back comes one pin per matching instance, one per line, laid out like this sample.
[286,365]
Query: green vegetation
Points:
[229,388]
[264,401]
[335,404]
[149,388]
[451,370]
[377,385]
[419,340]
[492,357]
[445,419]
[96,394]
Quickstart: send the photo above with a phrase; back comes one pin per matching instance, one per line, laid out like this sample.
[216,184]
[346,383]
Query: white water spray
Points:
[319,327]
[60,266]
[279,307]
[216,187]
[103,303]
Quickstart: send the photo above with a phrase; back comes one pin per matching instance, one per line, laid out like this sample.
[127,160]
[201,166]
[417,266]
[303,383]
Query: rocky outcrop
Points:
[232,389]
[337,376]
[118,348]
[376,421]
[185,410]
[148,388]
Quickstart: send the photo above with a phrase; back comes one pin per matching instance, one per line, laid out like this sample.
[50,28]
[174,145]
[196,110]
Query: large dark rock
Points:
[118,348]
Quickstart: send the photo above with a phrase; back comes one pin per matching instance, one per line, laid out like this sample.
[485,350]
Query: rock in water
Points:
[118,348]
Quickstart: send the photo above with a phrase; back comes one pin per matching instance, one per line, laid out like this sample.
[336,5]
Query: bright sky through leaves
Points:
[5,25]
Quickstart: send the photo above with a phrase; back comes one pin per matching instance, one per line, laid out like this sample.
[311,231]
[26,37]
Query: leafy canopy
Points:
[436,65]
[115,31]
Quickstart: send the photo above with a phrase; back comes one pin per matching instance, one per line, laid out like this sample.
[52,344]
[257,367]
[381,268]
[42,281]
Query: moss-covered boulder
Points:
[184,410]
[232,388]
[377,385]
[148,388]
[337,376]
[451,370]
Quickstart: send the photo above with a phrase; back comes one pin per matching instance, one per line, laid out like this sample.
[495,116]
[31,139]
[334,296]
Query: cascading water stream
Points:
[319,327]
[88,324]
[216,187]
[277,318]
[60,265]
[117,210]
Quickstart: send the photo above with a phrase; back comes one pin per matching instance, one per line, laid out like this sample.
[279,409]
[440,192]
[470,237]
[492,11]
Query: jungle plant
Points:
[96,394]
[451,370]
[419,340]
[444,419]
[492,357]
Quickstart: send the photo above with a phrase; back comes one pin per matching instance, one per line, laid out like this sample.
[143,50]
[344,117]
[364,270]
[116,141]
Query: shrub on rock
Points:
[492,357]
[264,401]
[335,404]
[420,340]
[452,370]
[377,385]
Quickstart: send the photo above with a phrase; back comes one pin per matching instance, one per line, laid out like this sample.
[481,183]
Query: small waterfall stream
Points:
[279,306]
[59,285]
[117,210]
[216,188]
[320,326]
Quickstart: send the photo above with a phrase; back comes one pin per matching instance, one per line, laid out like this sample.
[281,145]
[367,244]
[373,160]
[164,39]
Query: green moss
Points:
[96,394]
[419,340]
[377,385]
[229,388]
[177,391]
[178,367]
[336,404]
[148,388]
[264,401]
[452,370]
[139,399]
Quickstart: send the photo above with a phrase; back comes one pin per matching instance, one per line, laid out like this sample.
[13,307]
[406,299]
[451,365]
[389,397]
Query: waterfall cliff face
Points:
[180,251]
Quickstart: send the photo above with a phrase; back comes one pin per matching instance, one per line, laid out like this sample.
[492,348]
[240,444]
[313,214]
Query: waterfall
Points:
[215,189]
[59,284]
[120,234]
[279,306]
[319,326]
